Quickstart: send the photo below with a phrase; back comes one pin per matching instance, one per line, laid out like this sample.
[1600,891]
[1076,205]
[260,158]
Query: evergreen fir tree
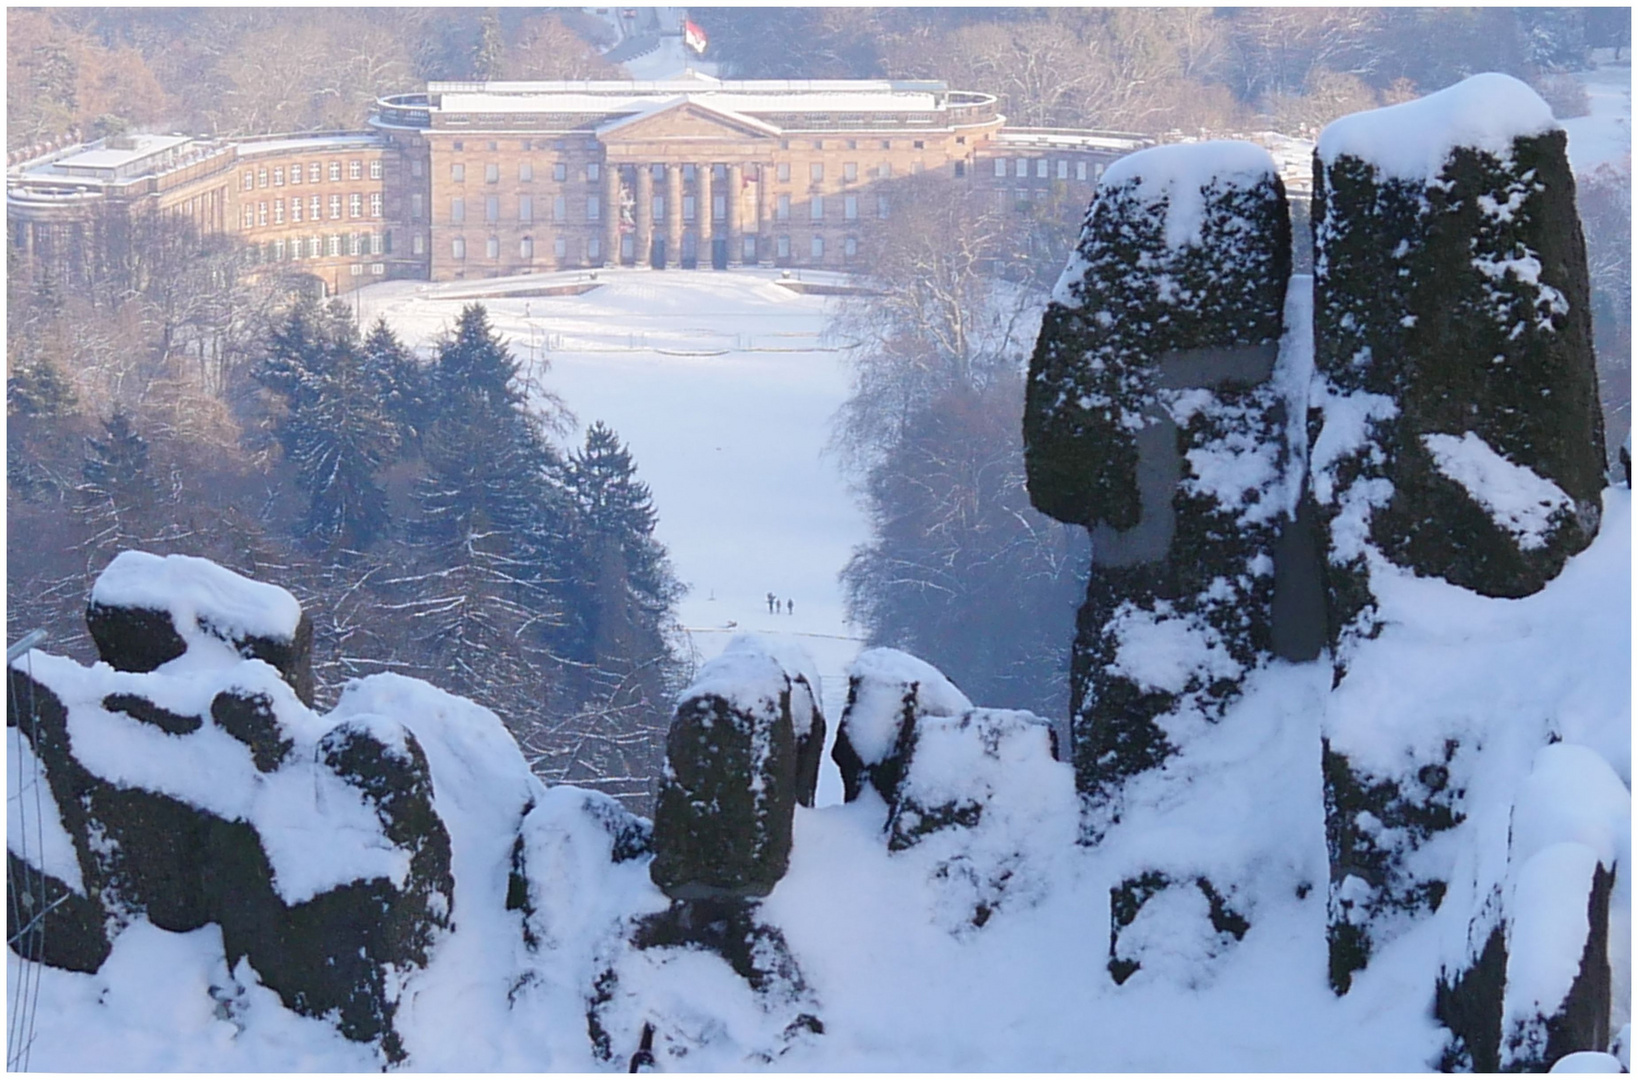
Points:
[39,389]
[117,490]
[406,394]
[338,442]
[476,361]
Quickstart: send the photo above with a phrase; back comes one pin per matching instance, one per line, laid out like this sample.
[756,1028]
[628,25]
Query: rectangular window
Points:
[657,207]
[278,176]
[375,243]
[526,172]
[783,172]
[315,207]
[332,245]
[881,206]
[457,210]
[594,171]
[749,250]
[335,170]
[278,249]
[1080,170]
[919,145]
[688,208]
[719,207]
[417,168]
[1022,197]
[418,244]
[961,168]
[335,207]
[355,205]
[375,169]
[782,247]
[1040,168]
[491,247]
[1063,168]
[594,208]
[417,207]
[782,208]
[355,170]
[261,176]
[278,212]
[816,171]
[560,247]
[1097,170]
[355,244]
[850,207]
[315,172]
[375,204]
[560,208]
[491,173]
[295,210]
[594,248]
[1023,167]
[850,171]
[560,171]
[1000,166]
[457,173]
[315,247]
[457,247]
[491,208]
[247,218]
[526,248]
[818,247]
[688,173]
[816,208]
[884,170]
[261,213]
[850,246]
[526,208]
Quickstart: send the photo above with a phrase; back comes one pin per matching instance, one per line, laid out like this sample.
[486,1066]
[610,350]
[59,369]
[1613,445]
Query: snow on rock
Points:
[722,820]
[1413,141]
[1572,795]
[146,611]
[1588,1061]
[987,806]
[807,698]
[34,826]
[888,692]
[1525,504]
[1155,418]
[1551,914]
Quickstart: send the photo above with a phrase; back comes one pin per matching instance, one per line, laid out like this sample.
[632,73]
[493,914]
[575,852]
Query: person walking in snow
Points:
[790,607]
[772,603]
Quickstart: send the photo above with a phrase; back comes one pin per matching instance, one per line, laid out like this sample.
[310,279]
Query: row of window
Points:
[593,247]
[594,208]
[263,176]
[256,214]
[332,246]
[1021,168]
[526,172]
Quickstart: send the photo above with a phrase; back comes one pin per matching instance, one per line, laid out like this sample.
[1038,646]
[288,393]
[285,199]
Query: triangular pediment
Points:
[684,119]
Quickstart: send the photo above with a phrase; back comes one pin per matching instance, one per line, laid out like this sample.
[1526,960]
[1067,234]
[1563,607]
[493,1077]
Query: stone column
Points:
[644,243]
[702,210]
[674,214]
[764,213]
[736,183]
[611,213]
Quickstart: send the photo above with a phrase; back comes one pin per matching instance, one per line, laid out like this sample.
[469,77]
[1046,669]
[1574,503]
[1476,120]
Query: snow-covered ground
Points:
[723,385]
[1605,135]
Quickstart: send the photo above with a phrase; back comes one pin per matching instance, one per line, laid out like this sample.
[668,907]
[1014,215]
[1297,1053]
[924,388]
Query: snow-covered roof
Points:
[1412,141]
[113,153]
[577,100]
[294,143]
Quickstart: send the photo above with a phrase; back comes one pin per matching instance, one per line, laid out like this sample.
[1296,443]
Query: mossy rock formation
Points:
[1152,419]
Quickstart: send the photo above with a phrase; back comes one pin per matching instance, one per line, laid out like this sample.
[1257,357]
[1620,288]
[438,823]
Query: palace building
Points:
[477,180]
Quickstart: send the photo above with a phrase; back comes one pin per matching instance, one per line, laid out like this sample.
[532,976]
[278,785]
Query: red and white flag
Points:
[693,36]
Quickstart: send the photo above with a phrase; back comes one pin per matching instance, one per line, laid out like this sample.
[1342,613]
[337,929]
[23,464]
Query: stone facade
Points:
[481,180]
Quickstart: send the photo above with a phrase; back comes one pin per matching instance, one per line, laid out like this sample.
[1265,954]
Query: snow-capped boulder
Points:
[722,820]
[146,611]
[1157,416]
[807,715]
[1169,929]
[1456,434]
[888,692]
[1461,435]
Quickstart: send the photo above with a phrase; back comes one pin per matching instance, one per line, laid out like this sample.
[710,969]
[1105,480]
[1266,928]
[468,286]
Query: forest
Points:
[434,525]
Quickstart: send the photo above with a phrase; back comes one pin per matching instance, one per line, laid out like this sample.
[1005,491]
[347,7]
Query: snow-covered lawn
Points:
[1606,134]
[723,386]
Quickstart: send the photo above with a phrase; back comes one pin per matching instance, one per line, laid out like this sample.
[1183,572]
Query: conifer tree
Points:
[338,442]
[406,394]
[117,490]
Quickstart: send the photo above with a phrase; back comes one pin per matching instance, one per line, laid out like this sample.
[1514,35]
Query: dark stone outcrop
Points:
[1127,900]
[722,821]
[887,691]
[1153,364]
[69,934]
